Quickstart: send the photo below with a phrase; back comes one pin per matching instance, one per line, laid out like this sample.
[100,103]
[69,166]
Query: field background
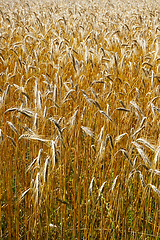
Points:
[79,120]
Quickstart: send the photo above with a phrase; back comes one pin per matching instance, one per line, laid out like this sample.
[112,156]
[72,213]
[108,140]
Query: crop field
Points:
[79,120]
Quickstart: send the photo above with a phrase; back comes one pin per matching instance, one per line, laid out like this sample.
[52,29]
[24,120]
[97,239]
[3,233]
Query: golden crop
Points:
[79,119]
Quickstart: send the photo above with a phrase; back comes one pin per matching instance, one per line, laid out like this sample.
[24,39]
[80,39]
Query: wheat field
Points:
[79,119]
